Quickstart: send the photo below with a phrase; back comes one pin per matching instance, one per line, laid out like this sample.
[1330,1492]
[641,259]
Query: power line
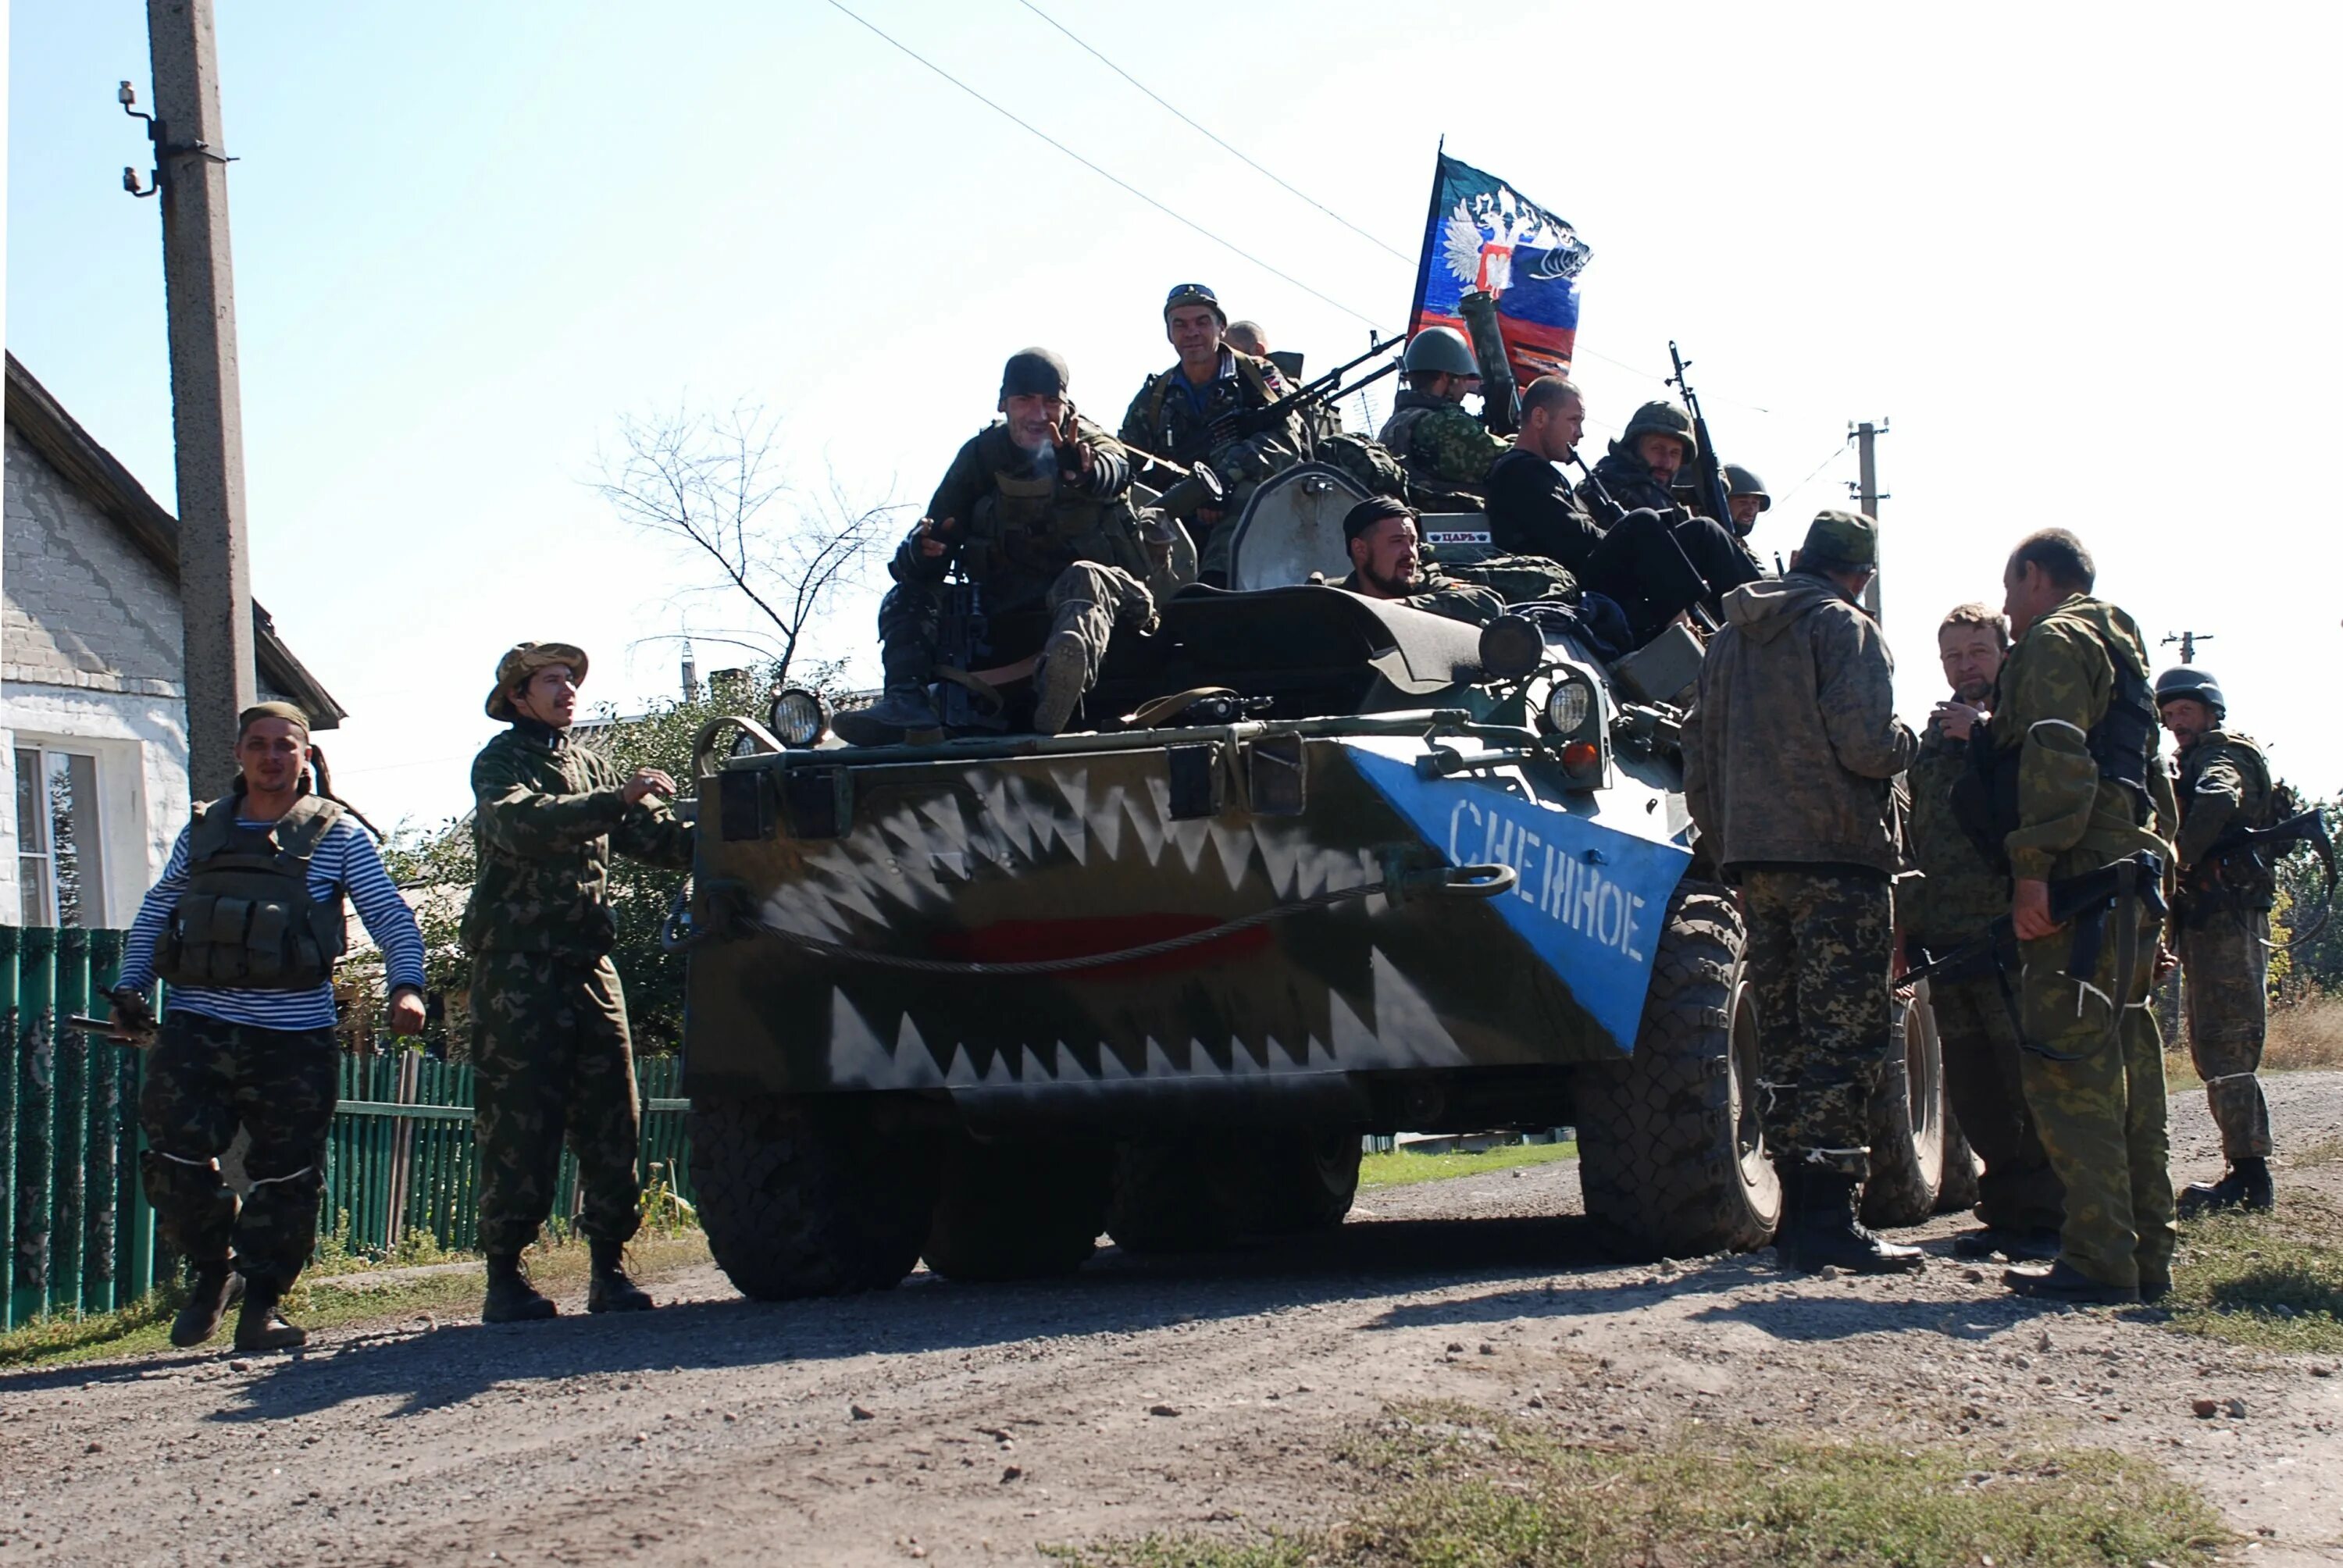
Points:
[1232,245]
[1192,125]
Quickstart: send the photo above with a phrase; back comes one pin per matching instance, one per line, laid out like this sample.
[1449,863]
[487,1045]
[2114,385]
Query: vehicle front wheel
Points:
[1907,1123]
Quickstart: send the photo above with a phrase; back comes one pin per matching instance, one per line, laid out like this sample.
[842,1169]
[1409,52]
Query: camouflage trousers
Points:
[2224,965]
[1086,602]
[207,1076]
[552,1059]
[1821,943]
[1984,1080]
[2101,1115]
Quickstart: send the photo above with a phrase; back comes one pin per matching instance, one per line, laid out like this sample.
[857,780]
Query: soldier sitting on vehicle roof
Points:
[1386,564]
[1446,451]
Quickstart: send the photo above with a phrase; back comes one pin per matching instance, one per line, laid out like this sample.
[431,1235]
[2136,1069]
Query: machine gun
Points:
[1243,422]
[1181,492]
[2085,900]
[1709,474]
[1500,398]
[2206,883]
[964,643]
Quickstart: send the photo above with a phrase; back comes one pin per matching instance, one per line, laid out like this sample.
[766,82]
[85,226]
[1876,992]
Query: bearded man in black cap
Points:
[1035,510]
[1387,563]
[1196,413]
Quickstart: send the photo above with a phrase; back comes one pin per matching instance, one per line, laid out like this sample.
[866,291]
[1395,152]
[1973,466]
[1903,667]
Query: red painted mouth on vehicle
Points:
[1029,942]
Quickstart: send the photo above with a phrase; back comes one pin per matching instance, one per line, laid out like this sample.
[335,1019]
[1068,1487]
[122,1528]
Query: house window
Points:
[57,863]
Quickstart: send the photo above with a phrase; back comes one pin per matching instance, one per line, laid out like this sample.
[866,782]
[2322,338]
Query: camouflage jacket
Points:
[1164,420]
[1022,522]
[1958,894]
[2055,688]
[1440,443]
[547,812]
[1793,743]
[1630,484]
[1451,600]
[2225,783]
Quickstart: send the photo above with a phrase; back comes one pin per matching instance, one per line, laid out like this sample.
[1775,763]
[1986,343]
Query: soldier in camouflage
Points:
[550,1042]
[1641,468]
[1446,451]
[1958,896]
[1789,754]
[1386,564]
[2073,738]
[2222,916]
[1191,413]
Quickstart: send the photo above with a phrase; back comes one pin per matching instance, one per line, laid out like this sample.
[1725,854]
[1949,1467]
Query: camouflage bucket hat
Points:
[524,659]
[1840,541]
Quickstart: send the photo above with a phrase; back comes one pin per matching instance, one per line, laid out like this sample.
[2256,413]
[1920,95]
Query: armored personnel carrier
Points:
[1318,866]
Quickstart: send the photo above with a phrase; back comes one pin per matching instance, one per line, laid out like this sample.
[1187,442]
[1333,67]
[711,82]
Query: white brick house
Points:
[95,754]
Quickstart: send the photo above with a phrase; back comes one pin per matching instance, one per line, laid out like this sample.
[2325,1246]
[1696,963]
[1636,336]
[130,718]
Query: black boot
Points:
[207,1299]
[259,1326]
[1826,1232]
[2247,1186]
[1997,1242]
[2062,1282]
[904,705]
[511,1299]
[610,1290]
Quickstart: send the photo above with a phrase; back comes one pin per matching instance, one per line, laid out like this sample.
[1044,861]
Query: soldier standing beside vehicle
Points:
[1034,510]
[1960,894]
[2223,920]
[2075,784]
[1446,452]
[1387,564]
[1789,754]
[550,1042]
[1197,411]
[244,927]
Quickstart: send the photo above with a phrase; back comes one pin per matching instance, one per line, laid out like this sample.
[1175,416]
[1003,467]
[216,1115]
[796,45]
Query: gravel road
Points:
[960,1423]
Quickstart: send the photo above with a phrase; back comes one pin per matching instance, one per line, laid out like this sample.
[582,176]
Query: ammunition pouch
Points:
[246,920]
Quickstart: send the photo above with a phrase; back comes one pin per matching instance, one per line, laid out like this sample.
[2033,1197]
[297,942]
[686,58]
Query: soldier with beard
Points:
[1641,468]
[2019,1197]
[1035,510]
[1386,564]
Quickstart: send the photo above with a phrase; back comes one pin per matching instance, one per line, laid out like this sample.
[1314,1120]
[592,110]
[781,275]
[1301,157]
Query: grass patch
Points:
[2272,1282]
[1401,1169]
[1466,1489]
[328,1301]
[2307,1033]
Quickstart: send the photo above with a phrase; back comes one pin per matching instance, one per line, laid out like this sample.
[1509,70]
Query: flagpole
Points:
[1430,216]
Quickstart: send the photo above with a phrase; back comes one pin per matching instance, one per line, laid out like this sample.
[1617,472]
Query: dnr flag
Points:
[1483,234]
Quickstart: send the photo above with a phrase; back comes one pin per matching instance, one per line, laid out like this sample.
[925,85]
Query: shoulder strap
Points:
[1157,386]
[208,834]
[300,830]
[1254,374]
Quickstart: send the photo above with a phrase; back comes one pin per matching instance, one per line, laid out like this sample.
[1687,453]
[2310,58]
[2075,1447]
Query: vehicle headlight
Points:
[1569,705]
[798,717]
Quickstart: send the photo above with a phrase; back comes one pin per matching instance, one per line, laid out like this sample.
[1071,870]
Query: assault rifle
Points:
[1242,422]
[963,643]
[2085,900]
[1708,473]
[2206,882]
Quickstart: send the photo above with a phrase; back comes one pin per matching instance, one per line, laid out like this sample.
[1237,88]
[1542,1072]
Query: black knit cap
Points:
[1371,511]
[1034,373]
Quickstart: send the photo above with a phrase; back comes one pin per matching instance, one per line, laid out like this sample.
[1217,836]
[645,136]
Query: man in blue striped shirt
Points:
[245,927]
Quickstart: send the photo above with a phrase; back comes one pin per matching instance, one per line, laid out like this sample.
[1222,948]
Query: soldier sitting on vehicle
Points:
[1447,452]
[1386,563]
[1035,510]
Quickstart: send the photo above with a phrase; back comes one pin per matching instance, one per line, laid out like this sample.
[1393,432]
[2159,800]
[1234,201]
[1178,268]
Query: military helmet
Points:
[524,659]
[1661,418]
[1740,481]
[2182,680]
[1442,349]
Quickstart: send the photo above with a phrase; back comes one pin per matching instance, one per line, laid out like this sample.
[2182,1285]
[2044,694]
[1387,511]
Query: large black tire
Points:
[1907,1124]
[800,1196]
[1209,1189]
[1017,1210]
[1672,1150]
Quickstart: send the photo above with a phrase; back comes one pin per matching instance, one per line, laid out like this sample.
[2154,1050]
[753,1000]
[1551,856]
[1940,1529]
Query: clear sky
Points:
[2079,257]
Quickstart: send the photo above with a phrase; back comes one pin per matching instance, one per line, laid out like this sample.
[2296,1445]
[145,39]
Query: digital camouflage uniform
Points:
[1030,538]
[1164,420]
[1446,452]
[2224,935]
[1789,753]
[2101,1115]
[1957,897]
[549,1040]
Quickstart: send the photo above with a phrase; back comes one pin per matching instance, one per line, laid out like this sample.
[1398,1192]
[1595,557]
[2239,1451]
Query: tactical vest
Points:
[2123,745]
[246,920]
[1032,525]
[1253,374]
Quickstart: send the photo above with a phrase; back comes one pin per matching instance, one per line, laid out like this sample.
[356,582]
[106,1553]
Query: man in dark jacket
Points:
[549,1042]
[1789,755]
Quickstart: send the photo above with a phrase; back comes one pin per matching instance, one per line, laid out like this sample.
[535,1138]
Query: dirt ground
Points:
[962,1423]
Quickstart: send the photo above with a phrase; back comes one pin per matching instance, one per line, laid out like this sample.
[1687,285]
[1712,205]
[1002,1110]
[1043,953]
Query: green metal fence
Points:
[76,1231]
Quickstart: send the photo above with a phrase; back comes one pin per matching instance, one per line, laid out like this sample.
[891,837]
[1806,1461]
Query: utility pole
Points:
[206,412]
[2188,641]
[1867,493]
